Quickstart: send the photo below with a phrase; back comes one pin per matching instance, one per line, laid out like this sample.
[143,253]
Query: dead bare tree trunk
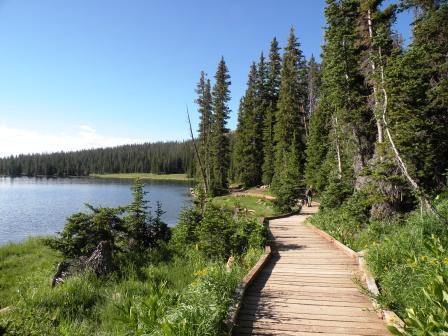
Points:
[379,126]
[203,173]
[423,199]
[305,123]
[338,150]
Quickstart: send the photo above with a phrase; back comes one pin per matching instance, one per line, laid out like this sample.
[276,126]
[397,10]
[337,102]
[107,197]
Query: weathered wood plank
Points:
[307,288]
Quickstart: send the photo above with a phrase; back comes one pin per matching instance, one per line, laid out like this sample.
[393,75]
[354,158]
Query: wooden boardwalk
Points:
[307,288]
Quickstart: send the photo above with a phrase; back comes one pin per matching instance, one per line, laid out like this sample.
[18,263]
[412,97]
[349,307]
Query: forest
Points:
[366,129]
[364,126]
[158,158]
[370,117]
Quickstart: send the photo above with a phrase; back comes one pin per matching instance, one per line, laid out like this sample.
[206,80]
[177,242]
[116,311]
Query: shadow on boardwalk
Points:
[306,288]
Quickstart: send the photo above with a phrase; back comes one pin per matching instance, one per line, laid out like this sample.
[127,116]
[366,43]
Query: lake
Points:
[40,206]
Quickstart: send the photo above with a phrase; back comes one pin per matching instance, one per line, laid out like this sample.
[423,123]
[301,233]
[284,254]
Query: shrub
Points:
[128,229]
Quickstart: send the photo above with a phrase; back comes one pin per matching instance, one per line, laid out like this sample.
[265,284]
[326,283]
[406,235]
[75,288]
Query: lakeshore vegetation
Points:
[160,281]
[366,128]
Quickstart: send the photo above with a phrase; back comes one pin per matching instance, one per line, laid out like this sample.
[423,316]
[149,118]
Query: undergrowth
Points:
[407,255]
[182,287]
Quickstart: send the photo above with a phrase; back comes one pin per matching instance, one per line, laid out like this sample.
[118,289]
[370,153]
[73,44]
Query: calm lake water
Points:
[39,206]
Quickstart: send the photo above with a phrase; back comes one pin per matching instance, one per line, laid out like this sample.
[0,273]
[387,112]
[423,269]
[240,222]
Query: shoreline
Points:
[118,176]
[144,176]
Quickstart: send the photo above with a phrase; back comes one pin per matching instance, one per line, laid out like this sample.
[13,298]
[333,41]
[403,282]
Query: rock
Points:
[100,261]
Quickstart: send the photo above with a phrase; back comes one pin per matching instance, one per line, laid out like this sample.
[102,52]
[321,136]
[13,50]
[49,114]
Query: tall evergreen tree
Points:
[254,106]
[262,102]
[272,87]
[289,127]
[204,102]
[247,163]
[347,128]
[220,148]
[417,91]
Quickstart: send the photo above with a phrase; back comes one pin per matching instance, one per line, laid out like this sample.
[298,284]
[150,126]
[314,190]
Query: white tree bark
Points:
[379,126]
[423,199]
[338,150]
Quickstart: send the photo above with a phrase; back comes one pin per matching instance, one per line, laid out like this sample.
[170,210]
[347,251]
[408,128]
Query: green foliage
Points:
[32,258]
[217,234]
[220,235]
[126,228]
[185,232]
[219,147]
[83,231]
[435,320]
[185,295]
[287,182]
[196,310]
[289,130]
[204,102]
[272,87]
[346,221]
[157,158]
[335,194]
[247,150]
[316,173]
[260,207]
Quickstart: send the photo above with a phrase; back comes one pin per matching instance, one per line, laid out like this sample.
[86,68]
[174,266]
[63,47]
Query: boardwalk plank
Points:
[307,288]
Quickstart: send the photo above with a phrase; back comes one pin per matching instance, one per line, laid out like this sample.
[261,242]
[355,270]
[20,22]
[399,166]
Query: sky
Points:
[94,73]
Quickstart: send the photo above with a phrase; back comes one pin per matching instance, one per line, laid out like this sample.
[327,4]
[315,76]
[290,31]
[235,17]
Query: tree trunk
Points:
[423,199]
[203,172]
[338,150]
[379,126]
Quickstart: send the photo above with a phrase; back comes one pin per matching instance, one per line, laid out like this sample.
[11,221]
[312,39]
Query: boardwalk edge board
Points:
[240,290]
[388,316]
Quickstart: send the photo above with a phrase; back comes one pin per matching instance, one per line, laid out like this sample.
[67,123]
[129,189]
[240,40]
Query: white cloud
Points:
[22,141]
[87,128]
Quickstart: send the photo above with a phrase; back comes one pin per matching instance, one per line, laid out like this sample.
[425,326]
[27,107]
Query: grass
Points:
[259,205]
[144,176]
[22,264]
[405,254]
[185,295]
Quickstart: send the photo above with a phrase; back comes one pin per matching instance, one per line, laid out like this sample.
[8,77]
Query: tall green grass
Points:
[406,254]
[23,264]
[186,295]
[260,206]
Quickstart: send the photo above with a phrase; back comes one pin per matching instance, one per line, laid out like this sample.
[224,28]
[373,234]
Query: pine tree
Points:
[262,103]
[316,173]
[289,130]
[286,181]
[417,88]
[204,102]
[346,124]
[220,148]
[272,88]
[246,151]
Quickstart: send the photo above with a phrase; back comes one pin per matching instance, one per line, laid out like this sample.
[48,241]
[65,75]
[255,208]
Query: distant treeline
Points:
[160,157]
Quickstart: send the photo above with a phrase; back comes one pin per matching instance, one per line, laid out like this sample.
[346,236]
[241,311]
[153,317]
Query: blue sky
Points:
[89,73]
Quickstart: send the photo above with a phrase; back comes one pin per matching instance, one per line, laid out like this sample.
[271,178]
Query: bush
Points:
[197,309]
[434,319]
[406,255]
[335,194]
[129,229]
[217,234]
[347,221]
[184,234]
